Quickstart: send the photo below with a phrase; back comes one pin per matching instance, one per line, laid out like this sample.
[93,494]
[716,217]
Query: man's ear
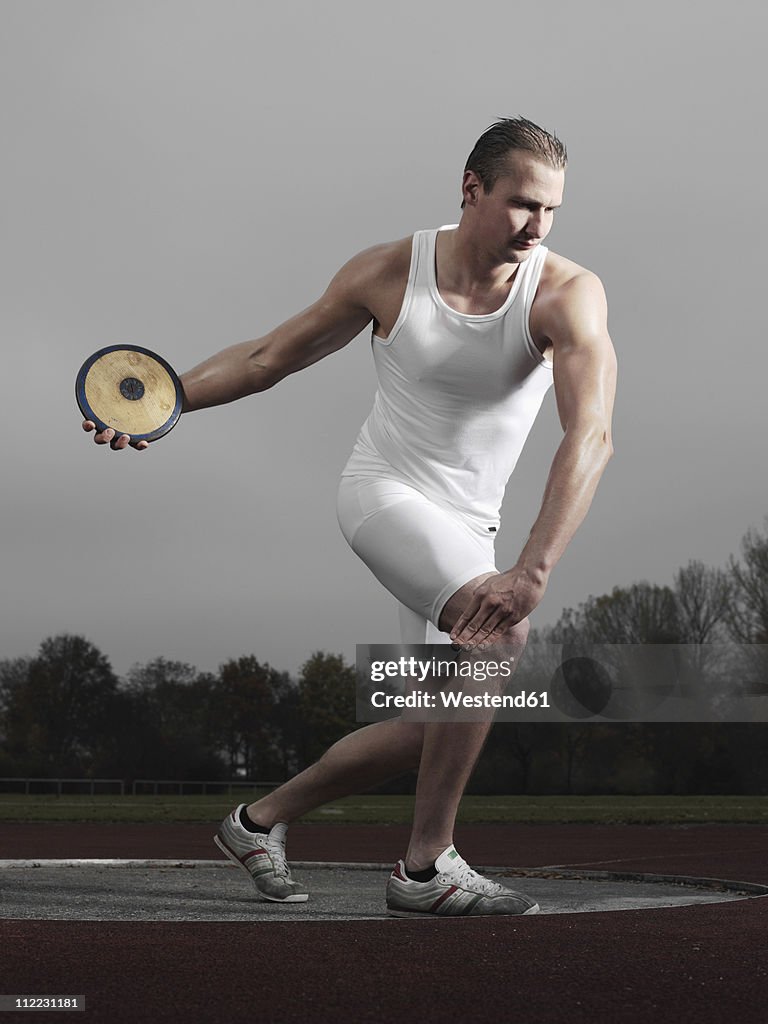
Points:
[470,188]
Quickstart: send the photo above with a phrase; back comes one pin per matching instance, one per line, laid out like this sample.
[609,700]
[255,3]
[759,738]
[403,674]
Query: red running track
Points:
[703,964]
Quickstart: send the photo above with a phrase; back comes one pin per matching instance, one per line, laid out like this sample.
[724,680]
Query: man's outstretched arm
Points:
[584,366]
[252,366]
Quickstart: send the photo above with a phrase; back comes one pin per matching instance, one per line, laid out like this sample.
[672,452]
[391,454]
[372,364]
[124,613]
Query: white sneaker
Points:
[456,891]
[262,856]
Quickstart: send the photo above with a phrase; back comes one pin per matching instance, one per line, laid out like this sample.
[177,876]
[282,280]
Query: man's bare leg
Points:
[450,752]
[444,752]
[364,758]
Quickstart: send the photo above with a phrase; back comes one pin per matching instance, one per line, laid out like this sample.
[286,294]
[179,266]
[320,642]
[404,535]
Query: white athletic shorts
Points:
[421,552]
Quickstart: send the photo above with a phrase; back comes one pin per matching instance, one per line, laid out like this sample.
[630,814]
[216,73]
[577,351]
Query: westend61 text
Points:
[424,699]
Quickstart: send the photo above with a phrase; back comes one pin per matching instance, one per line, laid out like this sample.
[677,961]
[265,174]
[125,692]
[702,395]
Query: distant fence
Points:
[59,786]
[160,787]
[138,787]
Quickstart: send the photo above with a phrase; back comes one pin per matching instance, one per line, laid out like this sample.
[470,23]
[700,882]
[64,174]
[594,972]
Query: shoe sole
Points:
[419,913]
[299,897]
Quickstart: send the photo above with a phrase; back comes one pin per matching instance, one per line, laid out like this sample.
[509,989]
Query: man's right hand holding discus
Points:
[129,396]
[116,441]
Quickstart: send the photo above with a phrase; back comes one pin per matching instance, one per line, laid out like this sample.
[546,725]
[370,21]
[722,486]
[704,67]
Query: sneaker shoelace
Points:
[467,878]
[276,851]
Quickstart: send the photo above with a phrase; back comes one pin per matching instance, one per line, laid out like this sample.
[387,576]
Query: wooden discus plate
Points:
[130,389]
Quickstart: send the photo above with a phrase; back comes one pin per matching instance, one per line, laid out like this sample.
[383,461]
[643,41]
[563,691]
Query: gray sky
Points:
[182,175]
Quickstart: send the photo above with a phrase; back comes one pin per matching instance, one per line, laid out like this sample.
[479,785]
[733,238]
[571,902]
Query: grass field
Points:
[398,809]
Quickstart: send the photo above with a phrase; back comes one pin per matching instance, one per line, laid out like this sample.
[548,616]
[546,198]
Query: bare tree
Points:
[703,598]
[748,617]
[642,613]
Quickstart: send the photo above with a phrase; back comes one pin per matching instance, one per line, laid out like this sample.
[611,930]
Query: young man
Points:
[471,325]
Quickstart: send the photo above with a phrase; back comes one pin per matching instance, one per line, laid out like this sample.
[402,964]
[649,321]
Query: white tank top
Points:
[458,393]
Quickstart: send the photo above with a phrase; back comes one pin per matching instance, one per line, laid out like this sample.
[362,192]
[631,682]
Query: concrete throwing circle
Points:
[154,890]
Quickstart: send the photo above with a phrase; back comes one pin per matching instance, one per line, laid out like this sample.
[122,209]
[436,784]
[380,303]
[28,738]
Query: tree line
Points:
[703,606]
[65,713]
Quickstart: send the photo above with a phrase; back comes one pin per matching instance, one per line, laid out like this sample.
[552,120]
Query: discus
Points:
[130,390]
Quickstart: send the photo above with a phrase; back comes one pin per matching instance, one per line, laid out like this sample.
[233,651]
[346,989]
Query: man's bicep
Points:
[584,360]
[326,326]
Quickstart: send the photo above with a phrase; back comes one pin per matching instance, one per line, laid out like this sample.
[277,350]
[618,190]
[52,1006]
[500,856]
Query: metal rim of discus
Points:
[131,390]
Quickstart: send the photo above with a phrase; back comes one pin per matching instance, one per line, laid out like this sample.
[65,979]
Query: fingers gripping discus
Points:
[130,390]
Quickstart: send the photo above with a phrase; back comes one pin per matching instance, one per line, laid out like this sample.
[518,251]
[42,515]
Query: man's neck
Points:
[465,268]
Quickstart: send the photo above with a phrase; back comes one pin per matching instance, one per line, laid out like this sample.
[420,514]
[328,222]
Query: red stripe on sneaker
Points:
[398,873]
[443,898]
[254,853]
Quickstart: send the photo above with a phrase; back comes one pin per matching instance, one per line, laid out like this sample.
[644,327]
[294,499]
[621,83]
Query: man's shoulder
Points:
[561,274]
[570,300]
[377,265]
[383,256]
[387,257]
[567,289]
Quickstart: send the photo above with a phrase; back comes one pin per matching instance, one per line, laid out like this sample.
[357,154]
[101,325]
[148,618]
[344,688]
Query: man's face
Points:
[516,215]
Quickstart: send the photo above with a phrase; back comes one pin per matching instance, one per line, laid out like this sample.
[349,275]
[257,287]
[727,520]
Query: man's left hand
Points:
[498,604]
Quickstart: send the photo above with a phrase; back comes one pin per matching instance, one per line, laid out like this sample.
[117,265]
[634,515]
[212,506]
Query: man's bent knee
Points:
[514,637]
[457,602]
[455,605]
[517,634]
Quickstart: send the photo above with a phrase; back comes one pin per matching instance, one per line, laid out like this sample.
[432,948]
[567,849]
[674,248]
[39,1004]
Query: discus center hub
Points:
[132,389]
